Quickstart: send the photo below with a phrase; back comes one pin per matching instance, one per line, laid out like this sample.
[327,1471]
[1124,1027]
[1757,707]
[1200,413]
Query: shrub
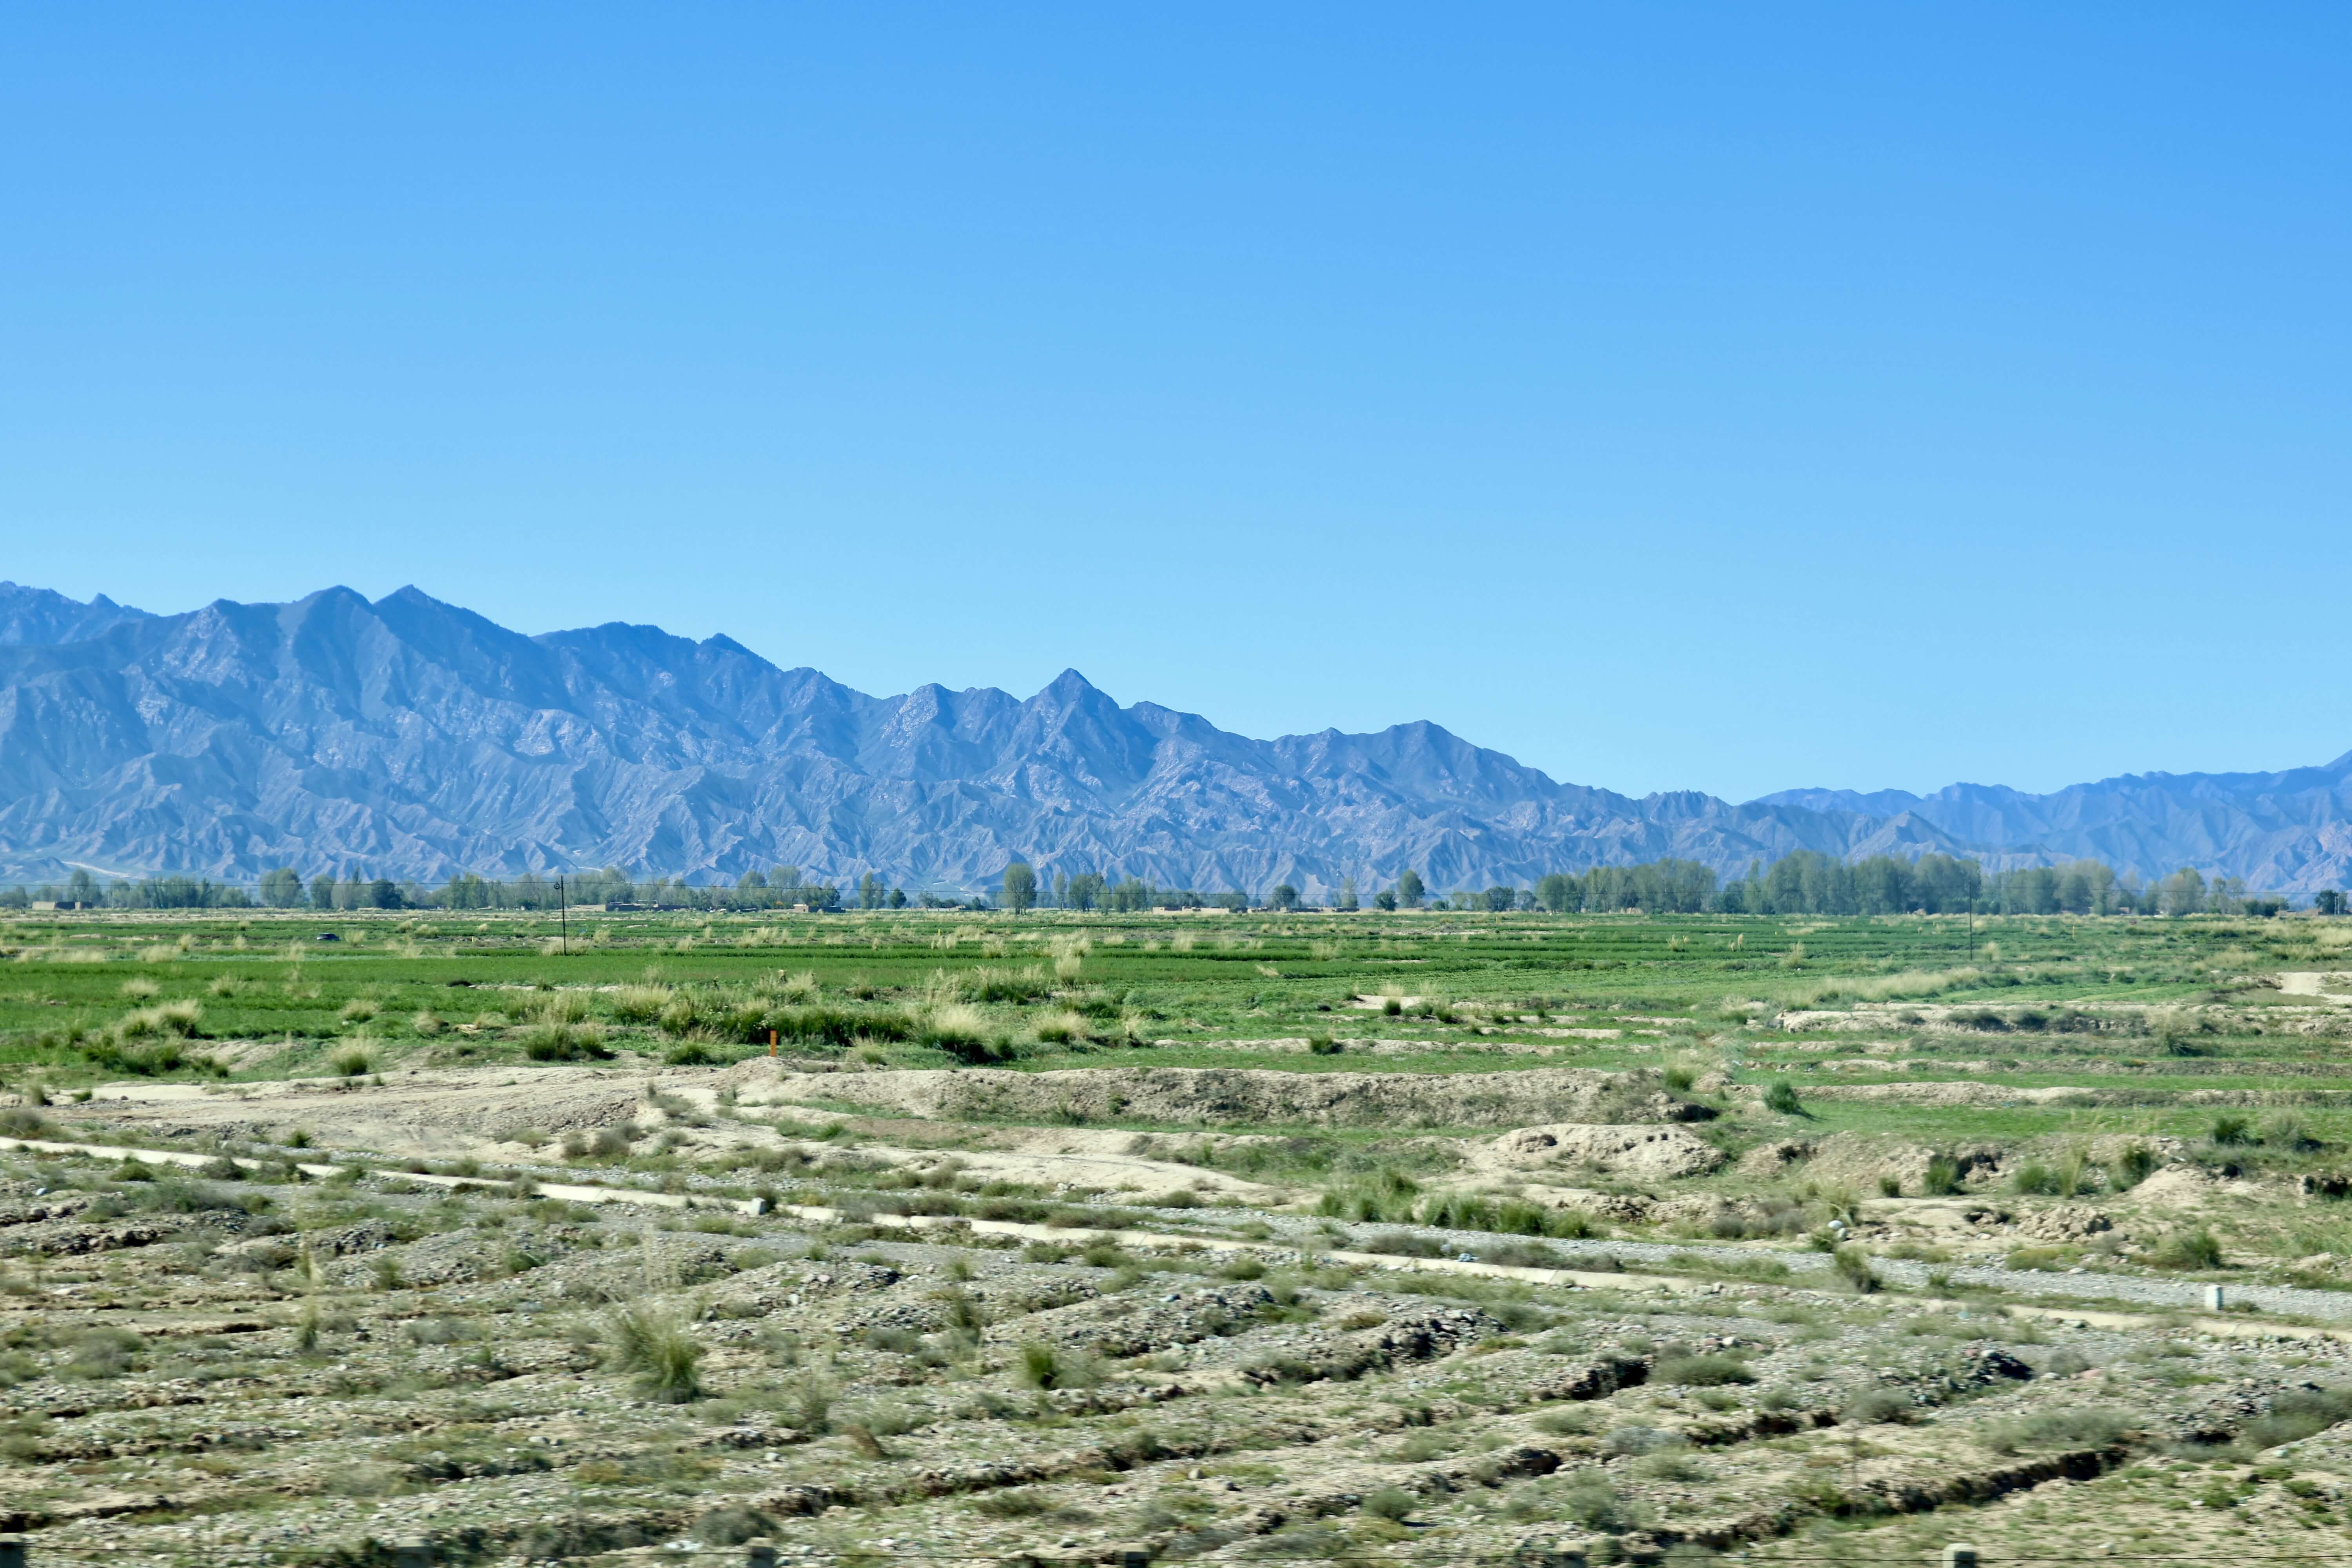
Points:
[1404,1244]
[657,1348]
[1067,1027]
[731,1525]
[2287,1132]
[1591,1500]
[2297,1413]
[1387,1194]
[1702,1371]
[1394,1503]
[1044,1366]
[1670,1465]
[1876,1407]
[1943,1177]
[2133,1166]
[1016,985]
[2188,1249]
[835,1026]
[565,1043]
[353,1063]
[1782,1098]
[2079,1428]
[1852,1265]
[640,1003]
[1635,1440]
[2230,1129]
[961,1031]
[102,1353]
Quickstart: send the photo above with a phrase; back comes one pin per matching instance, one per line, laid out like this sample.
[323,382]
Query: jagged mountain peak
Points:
[408,736]
[33,617]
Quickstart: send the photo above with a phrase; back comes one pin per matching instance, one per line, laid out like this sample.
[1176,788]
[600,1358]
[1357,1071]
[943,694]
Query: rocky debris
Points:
[2063,1223]
[1340,1357]
[1662,1152]
[34,1212]
[368,1235]
[66,1238]
[1126,1326]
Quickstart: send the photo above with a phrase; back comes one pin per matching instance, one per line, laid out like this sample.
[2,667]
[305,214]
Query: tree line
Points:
[1804,882]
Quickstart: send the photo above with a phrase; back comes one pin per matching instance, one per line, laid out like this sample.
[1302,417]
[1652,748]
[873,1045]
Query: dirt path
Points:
[2314,982]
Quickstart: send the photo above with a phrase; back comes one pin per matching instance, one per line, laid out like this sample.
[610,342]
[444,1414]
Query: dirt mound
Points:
[1951,1093]
[1239,1096]
[1652,1151]
[1776,1158]
[1863,1161]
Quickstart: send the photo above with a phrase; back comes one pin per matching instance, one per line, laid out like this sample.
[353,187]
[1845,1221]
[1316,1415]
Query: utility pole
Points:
[562,915]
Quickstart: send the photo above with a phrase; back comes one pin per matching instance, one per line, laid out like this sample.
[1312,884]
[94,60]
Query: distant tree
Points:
[1500,899]
[383,894]
[1409,890]
[1085,891]
[2329,901]
[1560,893]
[1347,893]
[1384,900]
[786,879]
[281,889]
[1061,889]
[81,888]
[2184,892]
[1020,887]
[870,891]
[753,881]
[322,892]
[897,897]
[1283,897]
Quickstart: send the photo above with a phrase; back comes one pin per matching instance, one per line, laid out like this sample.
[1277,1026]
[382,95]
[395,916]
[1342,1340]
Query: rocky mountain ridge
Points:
[407,737]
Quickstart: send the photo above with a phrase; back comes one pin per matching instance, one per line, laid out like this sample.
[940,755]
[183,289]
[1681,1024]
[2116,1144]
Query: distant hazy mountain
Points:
[408,737]
[2286,831]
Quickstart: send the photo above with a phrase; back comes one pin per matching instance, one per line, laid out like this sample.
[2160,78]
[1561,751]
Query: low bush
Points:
[656,1349]
[1701,1370]
[2187,1250]
[2073,1427]
[1876,1407]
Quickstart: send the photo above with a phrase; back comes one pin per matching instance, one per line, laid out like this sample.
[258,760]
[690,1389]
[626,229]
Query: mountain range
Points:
[407,737]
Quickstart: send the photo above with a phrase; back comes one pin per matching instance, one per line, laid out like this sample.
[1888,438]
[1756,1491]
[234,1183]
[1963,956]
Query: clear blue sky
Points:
[1722,397]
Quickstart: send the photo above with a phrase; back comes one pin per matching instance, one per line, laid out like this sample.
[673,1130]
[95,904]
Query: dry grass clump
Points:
[640,1003]
[655,1349]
